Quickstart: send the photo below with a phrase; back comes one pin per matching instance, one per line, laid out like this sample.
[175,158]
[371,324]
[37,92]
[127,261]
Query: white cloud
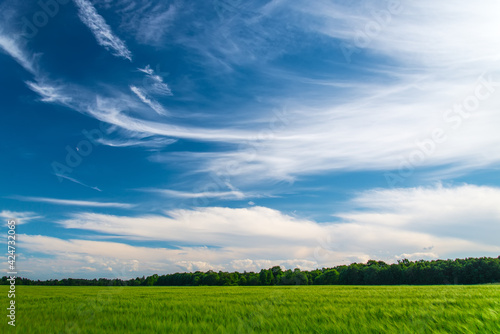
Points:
[414,223]
[101,30]
[155,142]
[244,33]
[427,68]
[148,70]
[48,92]
[148,21]
[336,125]
[466,212]
[193,266]
[379,129]
[426,33]
[152,27]
[12,48]
[86,258]
[73,202]
[156,84]
[204,226]
[20,217]
[76,181]
[388,224]
[149,101]
[115,110]
[234,194]
[109,110]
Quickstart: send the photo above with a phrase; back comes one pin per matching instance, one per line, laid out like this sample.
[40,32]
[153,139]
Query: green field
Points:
[274,309]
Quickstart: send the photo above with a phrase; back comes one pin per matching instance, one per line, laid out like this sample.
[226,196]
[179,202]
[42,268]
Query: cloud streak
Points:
[21,217]
[77,182]
[235,194]
[11,47]
[153,104]
[155,142]
[73,202]
[156,84]
[49,93]
[101,30]
[149,21]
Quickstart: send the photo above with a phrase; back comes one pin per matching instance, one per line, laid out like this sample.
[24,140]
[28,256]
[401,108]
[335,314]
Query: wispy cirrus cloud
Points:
[148,142]
[153,104]
[21,217]
[77,182]
[153,25]
[11,41]
[333,126]
[69,202]
[110,110]
[361,125]
[11,47]
[402,30]
[48,92]
[156,84]
[114,109]
[101,30]
[147,20]
[238,33]
[234,194]
[379,131]
[372,129]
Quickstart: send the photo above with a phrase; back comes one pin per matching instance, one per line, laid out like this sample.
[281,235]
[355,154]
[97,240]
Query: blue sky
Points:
[144,137]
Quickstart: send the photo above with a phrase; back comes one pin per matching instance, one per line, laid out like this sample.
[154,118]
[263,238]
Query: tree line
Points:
[460,271]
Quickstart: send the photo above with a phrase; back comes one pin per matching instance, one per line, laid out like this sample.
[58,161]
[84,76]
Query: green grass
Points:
[279,309]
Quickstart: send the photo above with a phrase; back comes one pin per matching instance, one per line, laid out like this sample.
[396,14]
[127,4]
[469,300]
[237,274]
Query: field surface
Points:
[276,309]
